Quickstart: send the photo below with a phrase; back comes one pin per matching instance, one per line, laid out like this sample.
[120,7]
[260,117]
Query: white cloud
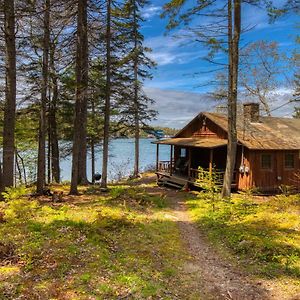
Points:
[177,81]
[176,108]
[151,11]
[169,50]
[165,58]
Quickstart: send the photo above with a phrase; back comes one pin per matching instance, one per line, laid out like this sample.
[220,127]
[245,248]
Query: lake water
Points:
[121,158]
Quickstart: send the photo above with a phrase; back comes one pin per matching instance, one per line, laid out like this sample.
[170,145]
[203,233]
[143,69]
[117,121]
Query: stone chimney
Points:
[251,112]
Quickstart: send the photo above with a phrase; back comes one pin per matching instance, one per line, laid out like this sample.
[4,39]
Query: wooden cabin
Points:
[268,152]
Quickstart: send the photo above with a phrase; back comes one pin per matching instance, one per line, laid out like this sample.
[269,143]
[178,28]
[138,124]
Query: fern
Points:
[14,193]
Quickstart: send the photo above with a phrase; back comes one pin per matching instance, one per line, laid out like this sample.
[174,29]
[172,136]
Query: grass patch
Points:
[95,246]
[264,234]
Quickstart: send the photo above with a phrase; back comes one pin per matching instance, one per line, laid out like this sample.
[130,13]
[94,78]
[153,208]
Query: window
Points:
[182,152]
[266,161]
[289,161]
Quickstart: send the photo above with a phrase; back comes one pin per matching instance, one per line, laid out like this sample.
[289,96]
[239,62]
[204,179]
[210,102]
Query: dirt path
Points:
[209,275]
[214,278]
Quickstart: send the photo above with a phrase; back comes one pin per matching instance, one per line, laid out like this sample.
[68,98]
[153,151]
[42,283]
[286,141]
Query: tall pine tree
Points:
[41,173]
[134,108]
[80,116]
[10,94]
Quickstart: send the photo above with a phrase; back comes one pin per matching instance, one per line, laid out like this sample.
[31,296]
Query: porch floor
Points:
[178,180]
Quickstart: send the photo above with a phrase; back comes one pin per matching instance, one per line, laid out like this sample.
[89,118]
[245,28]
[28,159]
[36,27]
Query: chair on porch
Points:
[181,165]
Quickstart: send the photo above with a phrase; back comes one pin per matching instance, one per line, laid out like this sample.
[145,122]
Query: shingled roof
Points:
[270,133]
[194,142]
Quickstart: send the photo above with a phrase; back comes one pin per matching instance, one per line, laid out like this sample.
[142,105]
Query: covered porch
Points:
[186,155]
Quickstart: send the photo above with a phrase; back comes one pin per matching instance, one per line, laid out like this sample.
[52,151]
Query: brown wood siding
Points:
[244,179]
[270,180]
[289,175]
[263,179]
[197,129]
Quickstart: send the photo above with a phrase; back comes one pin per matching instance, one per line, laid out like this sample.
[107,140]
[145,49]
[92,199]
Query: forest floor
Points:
[140,241]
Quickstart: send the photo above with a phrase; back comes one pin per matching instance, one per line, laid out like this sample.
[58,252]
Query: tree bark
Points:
[79,139]
[136,100]
[18,168]
[52,119]
[93,159]
[82,174]
[107,97]
[234,32]
[49,152]
[93,143]
[42,124]
[10,95]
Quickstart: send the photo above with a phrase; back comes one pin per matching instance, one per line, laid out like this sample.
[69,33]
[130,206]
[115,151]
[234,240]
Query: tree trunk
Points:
[10,95]
[52,120]
[93,159]
[79,139]
[23,167]
[42,124]
[49,159]
[136,100]
[18,168]
[233,53]
[82,174]
[93,143]
[107,97]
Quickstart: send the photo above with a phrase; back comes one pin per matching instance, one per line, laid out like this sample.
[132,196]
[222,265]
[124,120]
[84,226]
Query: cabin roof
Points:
[194,142]
[270,133]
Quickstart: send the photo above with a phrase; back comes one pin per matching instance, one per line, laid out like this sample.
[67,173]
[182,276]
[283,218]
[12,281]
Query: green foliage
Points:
[286,189]
[14,193]
[20,210]
[137,196]
[261,233]
[167,131]
[297,113]
[210,182]
[85,278]
[27,127]
[248,193]
[96,248]
[117,191]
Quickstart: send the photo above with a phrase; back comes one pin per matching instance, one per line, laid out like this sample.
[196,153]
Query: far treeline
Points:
[74,71]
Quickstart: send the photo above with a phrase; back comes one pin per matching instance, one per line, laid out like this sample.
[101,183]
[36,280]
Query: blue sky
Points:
[178,60]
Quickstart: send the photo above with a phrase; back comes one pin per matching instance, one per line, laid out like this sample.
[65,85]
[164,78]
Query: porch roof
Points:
[194,142]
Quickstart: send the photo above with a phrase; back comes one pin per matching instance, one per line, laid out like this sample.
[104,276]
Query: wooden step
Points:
[177,186]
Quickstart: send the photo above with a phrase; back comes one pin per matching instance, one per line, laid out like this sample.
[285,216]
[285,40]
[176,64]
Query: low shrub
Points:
[13,193]
[20,210]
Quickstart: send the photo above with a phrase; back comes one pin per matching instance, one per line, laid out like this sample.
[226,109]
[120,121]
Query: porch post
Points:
[190,160]
[171,159]
[157,156]
[211,156]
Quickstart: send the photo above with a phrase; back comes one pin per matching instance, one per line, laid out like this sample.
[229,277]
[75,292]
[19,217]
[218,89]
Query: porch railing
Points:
[219,175]
[202,175]
[165,166]
[194,174]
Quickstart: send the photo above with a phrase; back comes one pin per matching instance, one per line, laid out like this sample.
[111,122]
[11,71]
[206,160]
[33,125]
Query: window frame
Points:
[285,160]
[270,168]
[181,152]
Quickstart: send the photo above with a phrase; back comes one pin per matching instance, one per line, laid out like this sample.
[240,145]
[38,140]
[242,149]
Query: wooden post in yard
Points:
[211,156]
[171,159]
[189,165]
[157,156]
